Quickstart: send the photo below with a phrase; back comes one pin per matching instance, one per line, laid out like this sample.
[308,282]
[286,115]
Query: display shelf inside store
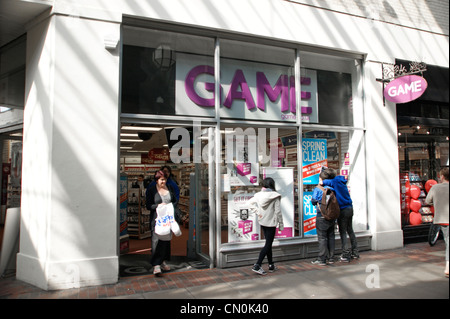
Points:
[138,217]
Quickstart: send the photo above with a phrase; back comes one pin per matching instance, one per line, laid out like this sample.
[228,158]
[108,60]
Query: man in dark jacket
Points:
[345,220]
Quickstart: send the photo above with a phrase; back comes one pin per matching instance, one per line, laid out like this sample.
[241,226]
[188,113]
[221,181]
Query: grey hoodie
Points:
[266,203]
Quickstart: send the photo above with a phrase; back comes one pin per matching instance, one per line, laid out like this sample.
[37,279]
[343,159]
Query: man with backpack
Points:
[345,220]
[327,210]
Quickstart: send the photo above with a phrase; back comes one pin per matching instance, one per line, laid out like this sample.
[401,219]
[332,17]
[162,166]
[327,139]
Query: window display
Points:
[248,160]
[337,150]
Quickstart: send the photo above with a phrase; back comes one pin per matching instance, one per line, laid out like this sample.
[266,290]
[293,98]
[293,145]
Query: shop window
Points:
[242,175]
[161,73]
[329,90]
[12,74]
[257,86]
[251,154]
[258,82]
[173,74]
[342,152]
[423,151]
[334,98]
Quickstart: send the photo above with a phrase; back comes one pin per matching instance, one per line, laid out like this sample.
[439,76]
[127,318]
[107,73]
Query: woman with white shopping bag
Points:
[161,201]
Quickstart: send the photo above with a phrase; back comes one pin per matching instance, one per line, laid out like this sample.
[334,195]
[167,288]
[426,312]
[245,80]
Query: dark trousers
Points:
[269,234]
[161,253]
[325,236]
[345,222]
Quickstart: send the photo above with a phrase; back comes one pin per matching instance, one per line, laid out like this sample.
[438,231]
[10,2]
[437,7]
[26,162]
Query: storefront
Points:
[225,95]
[259,125]
[423,131]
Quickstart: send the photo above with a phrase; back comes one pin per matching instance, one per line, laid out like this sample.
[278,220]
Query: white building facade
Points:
[80,75]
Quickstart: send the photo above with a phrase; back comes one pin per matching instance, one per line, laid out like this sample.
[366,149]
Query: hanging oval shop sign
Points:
[405,89]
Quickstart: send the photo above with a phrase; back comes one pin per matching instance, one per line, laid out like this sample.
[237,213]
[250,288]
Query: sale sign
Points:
[309,215]
[314,154]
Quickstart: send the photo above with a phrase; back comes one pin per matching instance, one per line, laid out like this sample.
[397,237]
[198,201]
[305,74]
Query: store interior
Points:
[144,150]
[11,154]
[423,145]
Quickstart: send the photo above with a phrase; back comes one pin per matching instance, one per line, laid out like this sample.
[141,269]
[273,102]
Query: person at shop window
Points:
[438,197]
[159,194]
[345,220]
[266,203]
[324,227]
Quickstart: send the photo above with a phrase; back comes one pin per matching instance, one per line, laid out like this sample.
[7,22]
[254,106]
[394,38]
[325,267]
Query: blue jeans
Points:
[445,233]
[325,236]
[345,222]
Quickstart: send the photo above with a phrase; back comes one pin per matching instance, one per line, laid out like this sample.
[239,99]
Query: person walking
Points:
[158,195]
[266,204]
[170,181]
[438,197]
[324,227]
[345,220]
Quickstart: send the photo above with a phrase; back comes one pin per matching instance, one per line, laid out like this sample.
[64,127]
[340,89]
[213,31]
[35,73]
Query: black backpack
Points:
[329,206]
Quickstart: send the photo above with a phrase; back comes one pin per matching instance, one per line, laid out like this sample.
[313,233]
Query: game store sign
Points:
[249,90]
[405,89]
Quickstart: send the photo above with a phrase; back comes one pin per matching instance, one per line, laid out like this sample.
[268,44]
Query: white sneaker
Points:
[165,267]
[258,269]
[157,270]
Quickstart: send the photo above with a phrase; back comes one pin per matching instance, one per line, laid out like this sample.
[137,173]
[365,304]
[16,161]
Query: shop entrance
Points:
[144,150]
[11,176]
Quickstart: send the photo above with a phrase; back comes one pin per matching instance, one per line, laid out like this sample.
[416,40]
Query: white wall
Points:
[69,195]
[286,20]
[382,165]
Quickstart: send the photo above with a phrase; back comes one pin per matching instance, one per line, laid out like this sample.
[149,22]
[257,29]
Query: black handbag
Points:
[178,214]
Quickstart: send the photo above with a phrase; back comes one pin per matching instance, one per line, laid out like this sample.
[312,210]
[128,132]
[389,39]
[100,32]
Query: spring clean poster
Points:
[314,156]
[309,215]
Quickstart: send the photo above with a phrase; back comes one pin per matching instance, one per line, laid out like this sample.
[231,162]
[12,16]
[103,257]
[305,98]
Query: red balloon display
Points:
[429,183]
[415,191]
[415,205]
[415,218]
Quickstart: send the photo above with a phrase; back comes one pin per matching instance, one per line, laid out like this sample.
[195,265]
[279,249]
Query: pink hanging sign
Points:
[405,89]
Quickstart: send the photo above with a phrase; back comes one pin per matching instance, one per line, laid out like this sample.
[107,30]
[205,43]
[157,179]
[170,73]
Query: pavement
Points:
[415,271]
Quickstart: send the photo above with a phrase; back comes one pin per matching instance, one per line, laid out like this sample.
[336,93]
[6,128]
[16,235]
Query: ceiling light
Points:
[142,128]
[129,134]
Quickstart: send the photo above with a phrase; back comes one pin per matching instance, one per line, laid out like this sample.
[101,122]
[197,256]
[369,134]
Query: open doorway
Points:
[144,150]
[11,177]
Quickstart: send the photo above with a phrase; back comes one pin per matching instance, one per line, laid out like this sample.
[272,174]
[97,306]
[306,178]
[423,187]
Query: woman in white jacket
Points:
[267,206]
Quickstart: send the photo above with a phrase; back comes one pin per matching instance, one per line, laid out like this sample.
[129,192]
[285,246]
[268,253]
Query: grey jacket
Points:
[266,204]
[438,196]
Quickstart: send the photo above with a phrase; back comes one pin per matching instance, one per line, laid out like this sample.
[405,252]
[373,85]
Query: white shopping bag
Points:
[165,221]
[162,226]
